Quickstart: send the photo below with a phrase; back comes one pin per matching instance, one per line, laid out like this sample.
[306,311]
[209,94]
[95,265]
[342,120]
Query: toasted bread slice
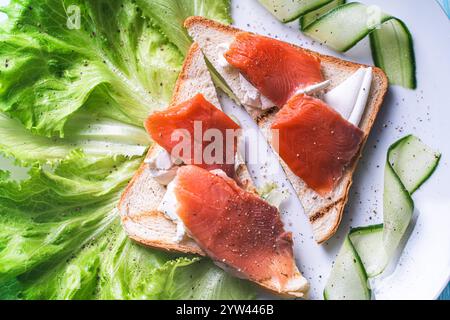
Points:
[325,213]
[139,203]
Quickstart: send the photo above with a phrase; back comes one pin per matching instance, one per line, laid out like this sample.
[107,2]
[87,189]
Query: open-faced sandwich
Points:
[316,110]
[200,207]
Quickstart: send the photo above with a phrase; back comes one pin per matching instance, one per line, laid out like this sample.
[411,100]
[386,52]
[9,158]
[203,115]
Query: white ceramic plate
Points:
[423,269]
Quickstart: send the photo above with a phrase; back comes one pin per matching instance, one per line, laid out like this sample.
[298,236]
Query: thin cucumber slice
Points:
[312,16]
[393,51]
[345,26]
[413,161]
[391,42]
[341,26]
[290,10]
[409,164]
[368,242]
[348,279]
[398,208]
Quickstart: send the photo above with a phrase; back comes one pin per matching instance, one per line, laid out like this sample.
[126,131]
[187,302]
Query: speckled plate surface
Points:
[423,269]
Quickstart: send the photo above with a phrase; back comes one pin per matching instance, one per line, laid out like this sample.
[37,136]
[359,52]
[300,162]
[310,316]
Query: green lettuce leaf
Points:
[61,239]
[169,15]
[116,63]
[273,194]
[57,209]
[94,135]
[156,277]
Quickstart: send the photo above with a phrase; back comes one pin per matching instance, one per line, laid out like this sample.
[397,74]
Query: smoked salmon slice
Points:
[236,228]
[277,69]
[315,141]
[198,133]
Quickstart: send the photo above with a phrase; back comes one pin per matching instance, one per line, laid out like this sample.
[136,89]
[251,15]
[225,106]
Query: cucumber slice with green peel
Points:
[413,161]
[409,164]
[368,242]
[398,209]
[348,278]
[396,58]
[312,16]
[290,10]
[341,25]
[344,26]
[391,42]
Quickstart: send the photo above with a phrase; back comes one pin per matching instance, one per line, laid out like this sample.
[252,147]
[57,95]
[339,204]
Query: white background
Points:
[423,269]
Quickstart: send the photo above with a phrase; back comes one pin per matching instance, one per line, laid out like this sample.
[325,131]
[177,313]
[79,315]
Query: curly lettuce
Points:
[61,239]
[169,15]
[94,135]
[116,63]
[78,78]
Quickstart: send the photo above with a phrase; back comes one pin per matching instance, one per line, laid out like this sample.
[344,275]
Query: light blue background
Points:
[446,294]
[445,4]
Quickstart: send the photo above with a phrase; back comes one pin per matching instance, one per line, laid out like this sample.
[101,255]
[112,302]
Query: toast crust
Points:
[326,215]
[146,225]
[191,55]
